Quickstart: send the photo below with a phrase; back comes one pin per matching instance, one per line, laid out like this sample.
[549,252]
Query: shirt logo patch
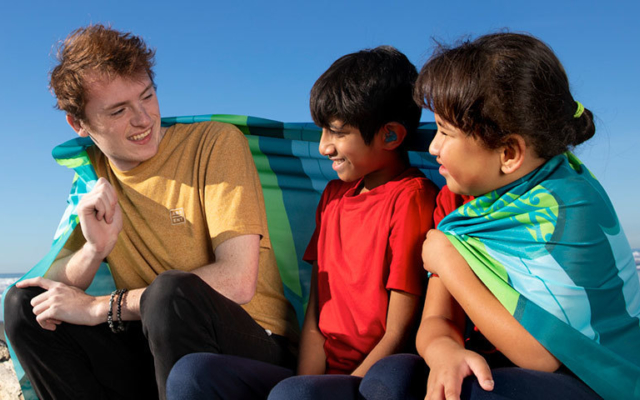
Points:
[177,216]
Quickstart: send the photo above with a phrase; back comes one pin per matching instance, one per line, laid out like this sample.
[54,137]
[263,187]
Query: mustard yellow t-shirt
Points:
[199,190]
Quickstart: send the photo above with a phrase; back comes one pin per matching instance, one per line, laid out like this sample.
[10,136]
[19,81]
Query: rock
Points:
[9,386]
[4,351]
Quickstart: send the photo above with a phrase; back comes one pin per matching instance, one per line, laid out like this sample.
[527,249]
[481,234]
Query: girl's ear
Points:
[513,154]
[393,134]
[77,126]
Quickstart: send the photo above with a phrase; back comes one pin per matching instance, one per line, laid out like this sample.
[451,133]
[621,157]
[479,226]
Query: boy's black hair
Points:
[502,84]
[366,90]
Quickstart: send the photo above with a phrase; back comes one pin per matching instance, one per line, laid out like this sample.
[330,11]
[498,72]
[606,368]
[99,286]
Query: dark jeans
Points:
[217,376]
[383,381]
[180,313]
[404,376]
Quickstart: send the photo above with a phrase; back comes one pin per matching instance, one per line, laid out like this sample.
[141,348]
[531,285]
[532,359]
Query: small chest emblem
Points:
[177,216]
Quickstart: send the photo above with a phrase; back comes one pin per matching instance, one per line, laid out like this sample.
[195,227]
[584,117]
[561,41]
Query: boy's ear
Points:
[513,154]
[393,134]
[77,126]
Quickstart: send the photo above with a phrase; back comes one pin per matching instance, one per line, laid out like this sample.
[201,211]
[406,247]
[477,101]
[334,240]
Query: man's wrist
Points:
[100,310]
[92,254]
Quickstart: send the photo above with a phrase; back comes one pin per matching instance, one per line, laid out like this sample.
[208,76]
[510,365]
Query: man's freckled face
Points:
[122,116]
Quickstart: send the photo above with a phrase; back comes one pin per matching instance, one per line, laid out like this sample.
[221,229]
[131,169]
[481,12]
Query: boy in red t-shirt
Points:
[367,281]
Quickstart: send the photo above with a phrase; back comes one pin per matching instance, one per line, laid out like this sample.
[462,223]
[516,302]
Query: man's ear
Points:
[77,126]
[393,134]
[513,154]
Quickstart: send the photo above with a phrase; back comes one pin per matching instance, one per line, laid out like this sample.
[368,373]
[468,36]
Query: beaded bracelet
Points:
[120,326]
[110,313]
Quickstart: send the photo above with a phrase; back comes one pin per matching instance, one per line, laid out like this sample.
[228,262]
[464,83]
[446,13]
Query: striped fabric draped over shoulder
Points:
[551,249]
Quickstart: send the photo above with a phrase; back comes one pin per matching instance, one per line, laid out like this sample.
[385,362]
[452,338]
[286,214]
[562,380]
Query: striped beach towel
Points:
[292,173]
[551,249]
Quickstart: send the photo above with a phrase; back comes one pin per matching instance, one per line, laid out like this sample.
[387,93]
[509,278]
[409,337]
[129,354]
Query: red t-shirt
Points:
[447,202]
[366,245]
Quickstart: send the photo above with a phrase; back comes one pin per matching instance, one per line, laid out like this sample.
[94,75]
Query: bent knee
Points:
[296,387]
[399,376]
[164,302]
[18,309]
[164,287]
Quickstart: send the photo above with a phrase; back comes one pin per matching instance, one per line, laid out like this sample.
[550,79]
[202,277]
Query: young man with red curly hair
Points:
[204,282]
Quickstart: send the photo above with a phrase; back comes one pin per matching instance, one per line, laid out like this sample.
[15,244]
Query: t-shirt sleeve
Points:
[234,203]
[311,253]
[411,220]
[75,241]
[448,202]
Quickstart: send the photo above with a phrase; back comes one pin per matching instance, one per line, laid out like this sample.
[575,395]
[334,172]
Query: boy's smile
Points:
[122,116]
[344,145]
[353,159]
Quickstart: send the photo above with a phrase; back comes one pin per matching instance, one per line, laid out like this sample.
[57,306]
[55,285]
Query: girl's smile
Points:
[469,167]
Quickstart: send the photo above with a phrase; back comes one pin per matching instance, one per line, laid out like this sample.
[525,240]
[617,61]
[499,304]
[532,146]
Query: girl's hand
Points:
[435,249]
[450,364]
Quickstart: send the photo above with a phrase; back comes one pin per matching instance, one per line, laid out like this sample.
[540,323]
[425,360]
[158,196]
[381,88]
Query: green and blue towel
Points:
[551,249]
[292,173]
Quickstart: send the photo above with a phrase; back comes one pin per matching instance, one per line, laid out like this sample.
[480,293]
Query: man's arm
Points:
[101,222]
[234,274]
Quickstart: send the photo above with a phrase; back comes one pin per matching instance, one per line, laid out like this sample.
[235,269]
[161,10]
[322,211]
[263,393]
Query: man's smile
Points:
[140,136]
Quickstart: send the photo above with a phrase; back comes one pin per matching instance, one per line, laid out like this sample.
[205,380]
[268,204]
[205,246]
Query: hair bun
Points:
[584,127]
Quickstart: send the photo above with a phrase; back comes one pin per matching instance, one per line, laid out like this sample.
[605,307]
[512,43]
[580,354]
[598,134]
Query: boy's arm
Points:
[401,314]
[312,359]
[441,343]
[482,307]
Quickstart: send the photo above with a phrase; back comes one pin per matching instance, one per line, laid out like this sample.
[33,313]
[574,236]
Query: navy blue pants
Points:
[218,376]
[404,376]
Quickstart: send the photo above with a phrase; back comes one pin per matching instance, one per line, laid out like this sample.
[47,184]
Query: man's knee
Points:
[18,311]
[162,303]
[162,290]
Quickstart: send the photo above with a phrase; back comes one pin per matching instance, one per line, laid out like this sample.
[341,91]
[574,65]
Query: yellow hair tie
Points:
[579,111]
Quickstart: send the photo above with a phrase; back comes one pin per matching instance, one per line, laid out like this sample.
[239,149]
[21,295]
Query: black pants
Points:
[180,313]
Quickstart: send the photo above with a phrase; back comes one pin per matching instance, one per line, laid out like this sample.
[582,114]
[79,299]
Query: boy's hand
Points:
[449,365]
[100,218]
[435,249]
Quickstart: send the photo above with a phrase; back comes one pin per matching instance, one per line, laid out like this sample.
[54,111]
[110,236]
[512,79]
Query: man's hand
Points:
[100,218]
[101,222]
[63,303]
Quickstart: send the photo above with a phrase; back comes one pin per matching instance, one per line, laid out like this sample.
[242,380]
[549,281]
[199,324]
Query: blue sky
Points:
[261,58]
